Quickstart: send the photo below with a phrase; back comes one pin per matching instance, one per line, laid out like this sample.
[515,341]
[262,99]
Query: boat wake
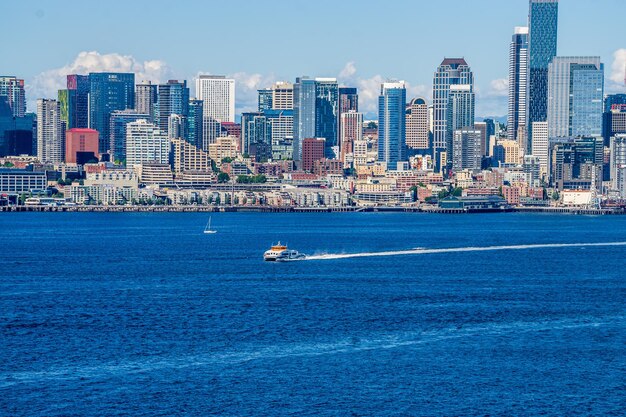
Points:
[423,251]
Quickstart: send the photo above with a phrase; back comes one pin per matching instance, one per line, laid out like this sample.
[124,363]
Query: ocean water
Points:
[141,314]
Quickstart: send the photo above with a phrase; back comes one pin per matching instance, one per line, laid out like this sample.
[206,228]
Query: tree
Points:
[457,192]
[218,200]
[555,195]
[223,177]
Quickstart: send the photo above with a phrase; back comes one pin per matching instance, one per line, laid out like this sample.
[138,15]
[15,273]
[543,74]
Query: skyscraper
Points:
[218,94]
[575,94]
[303,113]
[145,97]
[12,89]
[50,134]
[195,123]
[282,96]
[264,99]
[541,143]
[172,98]
[460,113]
[351,131]
[348,102]
[74,102]
[316,107]
[256,135]
[518,83]
[109,92]
[451,72]
[392,123]
[417,125]
[542,39]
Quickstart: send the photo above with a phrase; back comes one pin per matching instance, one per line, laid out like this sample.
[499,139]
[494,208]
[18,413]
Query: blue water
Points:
[142,314]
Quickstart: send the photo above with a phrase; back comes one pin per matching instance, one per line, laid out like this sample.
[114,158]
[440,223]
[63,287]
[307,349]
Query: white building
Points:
[50,135]
[146,143]
[282,96]
[618,160]
[218,94]
[540,143]
[417,124]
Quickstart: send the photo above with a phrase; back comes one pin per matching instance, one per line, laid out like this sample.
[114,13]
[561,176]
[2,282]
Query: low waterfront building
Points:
[154,173]
[187,157]
[474,203]
[18,181]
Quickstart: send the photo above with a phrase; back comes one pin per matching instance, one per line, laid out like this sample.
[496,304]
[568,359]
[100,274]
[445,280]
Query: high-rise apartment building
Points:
[264,99]
[50,134]
[417,131]
[256,135]
[145,97]
[218,94]
[618,157]
[313,149]
[542,41]
[195,123]
[351,131]
[460,113]
[108,92]
[146,143]
[466,152]
[541,143]
[451,72]
[575,94]
[518,84]
[392,123]
[74,102]
[12,91]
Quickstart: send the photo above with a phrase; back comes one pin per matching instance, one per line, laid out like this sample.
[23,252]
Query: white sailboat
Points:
[207,229]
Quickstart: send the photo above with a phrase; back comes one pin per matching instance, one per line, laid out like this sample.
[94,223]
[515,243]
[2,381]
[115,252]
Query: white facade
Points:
[417,124]
[282,96]
[218,94]
[618,160]
[540,143]
[146,143]
[50,140]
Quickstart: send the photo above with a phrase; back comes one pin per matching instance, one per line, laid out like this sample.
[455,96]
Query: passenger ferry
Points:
[280,253]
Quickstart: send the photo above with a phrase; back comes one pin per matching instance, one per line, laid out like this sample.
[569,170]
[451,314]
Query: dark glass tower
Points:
[172,98]
[542,38]
[392,123]
[108,92]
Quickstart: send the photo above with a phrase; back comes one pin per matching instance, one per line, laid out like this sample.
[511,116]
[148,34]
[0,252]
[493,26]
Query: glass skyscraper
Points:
[575,95]
[172,98]
[195,123]
[451,72]
[117,128]
[316,108]
[542,37]
[392,123]
[518,83]
[108,92]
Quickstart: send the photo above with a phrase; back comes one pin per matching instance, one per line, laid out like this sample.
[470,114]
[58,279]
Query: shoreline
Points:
[268,209]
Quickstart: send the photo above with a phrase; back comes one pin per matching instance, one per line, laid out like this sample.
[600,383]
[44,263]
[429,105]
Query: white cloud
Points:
[369,89]
[618,69]
[246,86]
[499,87]
[47,83]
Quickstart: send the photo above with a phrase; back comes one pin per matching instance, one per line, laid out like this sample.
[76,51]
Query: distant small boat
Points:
[207,229]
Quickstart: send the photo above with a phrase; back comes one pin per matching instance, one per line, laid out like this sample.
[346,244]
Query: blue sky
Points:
[257,42]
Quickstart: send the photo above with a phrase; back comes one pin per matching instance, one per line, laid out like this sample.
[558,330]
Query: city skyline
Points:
[485,48]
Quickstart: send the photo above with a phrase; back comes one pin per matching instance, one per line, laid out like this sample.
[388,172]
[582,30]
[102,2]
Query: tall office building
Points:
[484,139]
[618,157]
[145,97]
[575,94]
[613,99]
[417,132]
[351,131]
[451,72]
[74,102]
[16,133]
[108,92]
[303,113]
[218,94]
[316,107]
[392,123]
[50,134]
[12,89]
[542,39]
[195,123]
[172,98]
[466,152]
[117,127]
[460,113]
[256,135]
[145,142]
[518,83]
